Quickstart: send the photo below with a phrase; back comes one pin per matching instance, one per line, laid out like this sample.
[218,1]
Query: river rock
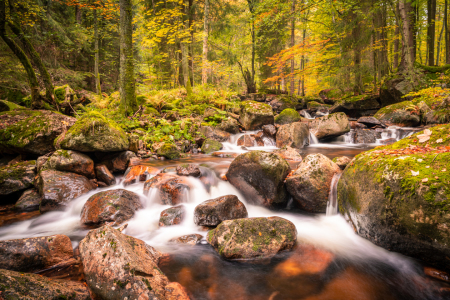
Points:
[29,201]
[295,135]
[211,146]
[138,173]
[17,177]
[246,141]
[253,238]
[369,121]
[253,115]
[18,285]
[357,106]
[31,131]
[118,162]
[118,266]
[93,132]
[104,175]
[156,181]
[172,189]
[71,161]
[214,134]
[111,207]
[59,188]
[330,126]
[393,90]
[168,151]
[366,136]
[400,114]
[190,239]
[342,161]
[289,153]
[229,125]
[287,116]
[311,182]
[259,176]
[269,130]
[175,291]
[189,170]
[215,211]
[34,254]
[172,216]
[398,199]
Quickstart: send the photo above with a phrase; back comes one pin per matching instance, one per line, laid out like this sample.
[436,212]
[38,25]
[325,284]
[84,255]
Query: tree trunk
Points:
[292,45]
[438,50]
[184,50]
[126,75]
[96,61]
[205,44]
[407,34]
[252,87]
[358,86]
[78,14]
[431,30]
[397,40]
[447,33]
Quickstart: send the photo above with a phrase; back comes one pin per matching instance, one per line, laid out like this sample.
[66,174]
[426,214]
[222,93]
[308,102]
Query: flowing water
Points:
[331,261]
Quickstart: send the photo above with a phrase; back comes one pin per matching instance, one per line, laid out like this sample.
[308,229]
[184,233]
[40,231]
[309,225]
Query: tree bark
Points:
[127,86]
[96,60]
[431,30]
[447,33]
[184,51]
[397,40]
[252,87]
[292,91]
[358,86]
[205,44]
[405,9]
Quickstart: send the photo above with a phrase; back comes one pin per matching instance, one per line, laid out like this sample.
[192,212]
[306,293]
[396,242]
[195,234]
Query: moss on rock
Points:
[287,116]
[210,145]
[254,114]
[7,106]
[169,151]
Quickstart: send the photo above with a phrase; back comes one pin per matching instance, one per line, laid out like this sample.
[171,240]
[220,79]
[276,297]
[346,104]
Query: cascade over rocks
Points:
[259,176]
[172,216]
[213,212]
[295,135]
[172,188]
[118,266]
[156,181]
[18,285]
[310,184]
[365,136]
[71,161]
[111,207]
[253,238]
[17,177]
[253,115]
[397,196]
[34,254]
[59,188]
[31,131]
[138,173]
[246,140]
[329,126]
[29,201]
[93,132]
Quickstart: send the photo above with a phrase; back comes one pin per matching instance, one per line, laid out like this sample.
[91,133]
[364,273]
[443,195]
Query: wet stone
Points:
[34,254]
[17,177]
[189,170]
[190,239]
[246,140]
[138,173]
[71,161]
[110,207]
[289,153]
[342,161]
[269,130]
[213,212]
[369,121]
[29,201]
[172,216]
[104,175]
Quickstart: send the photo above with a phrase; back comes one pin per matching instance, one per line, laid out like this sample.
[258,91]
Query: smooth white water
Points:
[332,205]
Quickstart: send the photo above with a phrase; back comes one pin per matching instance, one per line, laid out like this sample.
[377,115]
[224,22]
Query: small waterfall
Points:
[332,205]
[307,115]
[313,139]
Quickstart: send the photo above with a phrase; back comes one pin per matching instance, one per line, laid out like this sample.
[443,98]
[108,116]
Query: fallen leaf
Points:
[425,136]
[439,141]
[414,173]
[425,180]
[444,170]
[436,177]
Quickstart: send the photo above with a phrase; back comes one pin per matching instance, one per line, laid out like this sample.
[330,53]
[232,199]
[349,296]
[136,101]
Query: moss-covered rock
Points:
[314,105]
[253,238]
[211,146]
[213,212]
[398,196]
[169,151]
[17,177]
[93,132]
[71,161]
[254,114]
[65,93]
[357,106]
[330,126]
[31,131]
[287,116]
[259,176]
[214,133]
[405,113]
[311,182]
[229,125]
[172,216]
[295,135]
[7,106]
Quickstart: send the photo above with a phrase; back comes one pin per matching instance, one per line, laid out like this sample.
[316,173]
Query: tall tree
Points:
[127,86]
[292,90]
[408,58]
[446,33]
[98,87]
[251,85]
[431,30]
[205,44]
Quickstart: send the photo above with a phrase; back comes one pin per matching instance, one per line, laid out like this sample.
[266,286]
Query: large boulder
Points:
[31,131]
[330,126]
[342,161]
[71,161]
[57,188]
[93,132]
[111,207]
[17,177]
[404,114]
[253,238]
[215,211]
[29,201]
[269,130]
[253,115]
[229,125]
[172,216]
[118,266]
[289,153]
[397,196]
[214,133]
[19,285]
[393,90]
[168,151]
[310,184]
[259,176]
[295,135]
[287,116]
[34,254]
[211,146]
[357,106]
